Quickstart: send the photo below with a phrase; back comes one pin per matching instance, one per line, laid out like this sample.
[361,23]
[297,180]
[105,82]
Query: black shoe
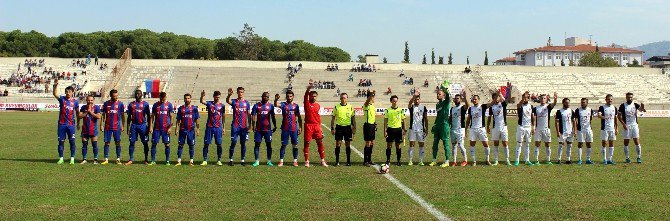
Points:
[243,164]
[398,164]
[388,163]
[230,163]
[568,162]
[348,164]
[337,164]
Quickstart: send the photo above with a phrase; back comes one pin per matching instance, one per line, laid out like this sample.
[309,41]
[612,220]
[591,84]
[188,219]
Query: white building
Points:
[574,49]
[506,61]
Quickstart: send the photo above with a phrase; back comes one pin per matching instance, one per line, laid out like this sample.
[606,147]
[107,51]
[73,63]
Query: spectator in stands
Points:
[425,83]
[351,77]
[5,93]
[388,90]
[402,73]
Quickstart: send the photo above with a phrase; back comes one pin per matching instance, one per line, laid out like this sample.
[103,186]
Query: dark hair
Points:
[312,93]
[370,93]
[69,88]
[629,93]
[344,94]
[90,96]
[240,88]
[585,99]
[162,95]
[290,92]
[458,95]
[187,95]
[113,91]
[138,90]
[608,96]
[217,93]
[565,99]
[473,96]
[391,99]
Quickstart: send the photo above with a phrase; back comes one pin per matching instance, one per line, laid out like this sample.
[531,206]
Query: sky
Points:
[463,28]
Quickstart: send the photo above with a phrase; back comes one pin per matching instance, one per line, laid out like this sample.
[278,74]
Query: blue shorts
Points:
[259,135]
[214,132]
[242,133]
[87,134]
[66,132]
[157,134]
[138,130]
[285,135]
[188,136]
[110,133]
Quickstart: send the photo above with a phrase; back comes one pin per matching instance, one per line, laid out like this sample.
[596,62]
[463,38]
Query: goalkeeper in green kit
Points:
[441,127]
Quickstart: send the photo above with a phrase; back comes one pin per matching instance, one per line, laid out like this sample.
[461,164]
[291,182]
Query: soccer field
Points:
[33,186]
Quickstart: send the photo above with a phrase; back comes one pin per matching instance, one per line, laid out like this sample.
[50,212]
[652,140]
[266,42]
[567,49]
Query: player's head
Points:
[394,101]
[265,97]
[69,91]
[217,96]
[313,95]
[543,98]
[584,102]
[608,99]
[114,94]
[525,97]
[441,95]
[629,97]
[417,100]
[343,98]
[138,95]
[240,92]
[163,97]
[494,97]
[90,99]
[289,96]
[187,99]
[457,99]
[475,99]
[566,102]
[372,95]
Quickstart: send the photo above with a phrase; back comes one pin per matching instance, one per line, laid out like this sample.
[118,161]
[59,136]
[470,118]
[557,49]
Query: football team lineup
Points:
[457,118]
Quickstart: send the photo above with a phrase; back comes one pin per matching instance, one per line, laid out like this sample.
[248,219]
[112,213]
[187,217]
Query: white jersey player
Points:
[418,126]
[526,124]
[583,117]
[475,123]
[565,130]
[542,132]
[498,117]
[457,133]
[628,118]
[608,129]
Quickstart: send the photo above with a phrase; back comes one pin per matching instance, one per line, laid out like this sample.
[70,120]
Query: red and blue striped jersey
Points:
[90,122]
[263,114]
[186,115]
[113,111]
[290,114]
[215,114]
[67,111]
[240,113]
[163,114]
[138,112]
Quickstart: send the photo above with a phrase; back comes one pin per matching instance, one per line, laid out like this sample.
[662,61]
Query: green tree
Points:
[361,59]
[486,58]
[450,59]
[440,60]
[635,64]
[251,43]
[467,60]
[571,62]
[432,56]
[385,61]
[406,55]
[593,59]
[424,59]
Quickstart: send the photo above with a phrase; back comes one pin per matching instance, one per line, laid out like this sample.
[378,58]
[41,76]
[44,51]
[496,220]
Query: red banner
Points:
[155,88]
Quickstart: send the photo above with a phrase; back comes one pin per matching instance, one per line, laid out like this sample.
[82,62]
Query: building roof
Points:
[507,59]
[580,48]
[659,58]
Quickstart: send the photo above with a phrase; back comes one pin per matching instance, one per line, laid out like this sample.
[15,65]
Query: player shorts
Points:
[186,136]
[312,131]
[343,133]
[158,134]
[607,135]
[262,135]
[543,135]
[242,133]
[369,131]
[478,134]
[416,135]
[566,138]
[394,135]
[633,131]
[522,134]
[112,133]
[138,130]
[286,135]
[585,136]
[66,132]
[499,134]
[457,135]
[213,132]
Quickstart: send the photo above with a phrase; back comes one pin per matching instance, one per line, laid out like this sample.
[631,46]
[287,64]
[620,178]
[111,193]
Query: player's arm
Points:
[253,119]
[488,123]
[54,92]
[274,120]
[556,119]
[276,103]
[601,112]
[309,88]
[177,122]
[297,113]
[123,119]
[353,122]
[197,125]
[620,114]
[402,123]
[467,100]
[411,100]
[425,120]
[223,121]
[641,108]
[467,120]
[202,97]
[616,125]
[230,93]
[533,118]
[574,124]
[249,120]
[332,121]
[555,99]
[102,119]
[386,121]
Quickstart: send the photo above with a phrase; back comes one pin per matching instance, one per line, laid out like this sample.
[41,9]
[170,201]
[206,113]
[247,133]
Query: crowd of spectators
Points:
[363,68]
[324,85]
[332,67]
[364,83]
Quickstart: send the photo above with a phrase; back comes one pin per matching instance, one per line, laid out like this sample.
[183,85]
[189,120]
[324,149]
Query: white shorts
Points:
[543,135]
[499,134]
[585,136]
[478,134]
[632,132]
[607,135]
[566,138]
[522,134]
[416,136]
[457,135]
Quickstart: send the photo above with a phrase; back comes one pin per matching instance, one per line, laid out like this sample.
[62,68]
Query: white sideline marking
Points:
[423,203]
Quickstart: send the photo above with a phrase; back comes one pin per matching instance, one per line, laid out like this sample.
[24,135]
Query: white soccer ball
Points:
[385,168]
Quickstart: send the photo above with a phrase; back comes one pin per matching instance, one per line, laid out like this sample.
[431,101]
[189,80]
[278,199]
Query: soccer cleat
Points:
[611,162]
[604,162]
[104,162]
[167,163]
[242,163]
[323,163]
[508,163]
[118,162]
[516,163]
[538,163]
[60,161]
[453,164]
[255,164]
[177,164]
[71,161]
[529,163]
[95,161]
[307,163]
[337,164]
[558,162]
[280,164]
[568,162]
[589,162]
[639,160]
[474,163]
[464,163]
[146,162]
[579,162]
[421,164]
[270,163]
[495,163]
[128,163]
[432,164]
[348,164]
[398,164]
[295,163]
[488,163]
[190,163]
[204,163]
[445,164]
[83,162]
[152,163]
[410,163]
[627,160]
[550,163]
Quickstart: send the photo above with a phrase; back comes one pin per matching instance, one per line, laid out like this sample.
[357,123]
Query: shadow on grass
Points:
[31,160]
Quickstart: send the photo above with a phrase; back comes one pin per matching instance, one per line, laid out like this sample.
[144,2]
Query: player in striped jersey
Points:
[89,131]
[291,125]
[542,131]
[609,128]
[216,120]
[418,126]
[565,129]
[67,113]
[239,125]
[188,128]
[161,113]
[498,117]
[583,116]
[138,126]
[457,132]
[261,114]
[628,118]
[114,119]
[526,126]
[475,123]
[369,127]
